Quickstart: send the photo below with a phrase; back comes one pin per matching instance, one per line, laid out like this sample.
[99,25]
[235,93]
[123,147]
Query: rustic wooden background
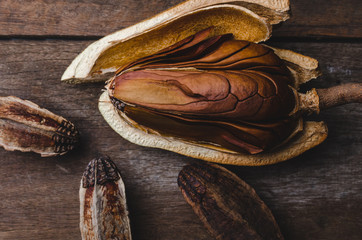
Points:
[315,196]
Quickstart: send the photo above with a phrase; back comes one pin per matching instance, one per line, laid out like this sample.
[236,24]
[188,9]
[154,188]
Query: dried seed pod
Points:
[103,209]
[225,94]
[214,98]
[248,20]
[26,127]
[228,207]
[143,52]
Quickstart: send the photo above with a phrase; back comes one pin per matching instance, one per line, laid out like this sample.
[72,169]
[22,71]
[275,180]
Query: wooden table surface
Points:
[315,196]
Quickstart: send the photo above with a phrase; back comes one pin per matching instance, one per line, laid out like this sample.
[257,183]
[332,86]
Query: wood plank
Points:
[327,18]
[324,18]
[315,196]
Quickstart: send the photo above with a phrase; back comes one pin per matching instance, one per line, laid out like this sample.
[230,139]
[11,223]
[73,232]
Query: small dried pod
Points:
[103,209]
[26,127]
[228,207]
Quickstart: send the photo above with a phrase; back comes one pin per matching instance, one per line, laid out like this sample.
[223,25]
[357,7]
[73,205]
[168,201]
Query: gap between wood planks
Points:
[319,39]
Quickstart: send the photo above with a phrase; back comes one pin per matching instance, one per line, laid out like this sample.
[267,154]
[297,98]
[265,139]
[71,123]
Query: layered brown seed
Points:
[24,126]
[103,209]
[228,207]
[226,94]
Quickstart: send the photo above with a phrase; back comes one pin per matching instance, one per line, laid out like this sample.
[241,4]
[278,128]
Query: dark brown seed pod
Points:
[26,127]
[228,207]
[103,208]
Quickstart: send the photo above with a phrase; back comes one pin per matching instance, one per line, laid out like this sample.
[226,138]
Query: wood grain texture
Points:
[315,196]
[96,18]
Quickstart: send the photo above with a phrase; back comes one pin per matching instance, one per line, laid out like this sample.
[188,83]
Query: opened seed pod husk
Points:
[248,20]
[178,77]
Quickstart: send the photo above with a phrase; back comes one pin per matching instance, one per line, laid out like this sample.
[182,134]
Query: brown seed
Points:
[103,209]
[26,127]
[228,207]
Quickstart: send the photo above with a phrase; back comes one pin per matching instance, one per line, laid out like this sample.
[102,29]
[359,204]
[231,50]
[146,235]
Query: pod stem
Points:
[339,95]
[319,99]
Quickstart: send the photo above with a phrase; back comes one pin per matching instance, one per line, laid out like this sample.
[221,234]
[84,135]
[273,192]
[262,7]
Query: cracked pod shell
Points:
[114,51]
[225,94]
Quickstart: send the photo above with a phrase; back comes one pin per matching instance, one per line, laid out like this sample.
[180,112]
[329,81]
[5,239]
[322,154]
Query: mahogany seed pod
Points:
[232,95]
[248,20]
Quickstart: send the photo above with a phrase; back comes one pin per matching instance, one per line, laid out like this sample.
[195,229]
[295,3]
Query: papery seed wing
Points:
[172,50]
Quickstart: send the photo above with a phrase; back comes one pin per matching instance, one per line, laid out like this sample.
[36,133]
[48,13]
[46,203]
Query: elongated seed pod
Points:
[228,207]
[26,127]
[103,209]
[227,94]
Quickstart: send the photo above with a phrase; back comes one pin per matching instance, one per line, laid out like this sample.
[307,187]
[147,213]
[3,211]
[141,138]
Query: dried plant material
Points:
[302,68]
[213,98]
[228,207]
[103,209]
[26,127]
[248,20]
[174,45]
[338,95]
[312,135]
[232,95]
